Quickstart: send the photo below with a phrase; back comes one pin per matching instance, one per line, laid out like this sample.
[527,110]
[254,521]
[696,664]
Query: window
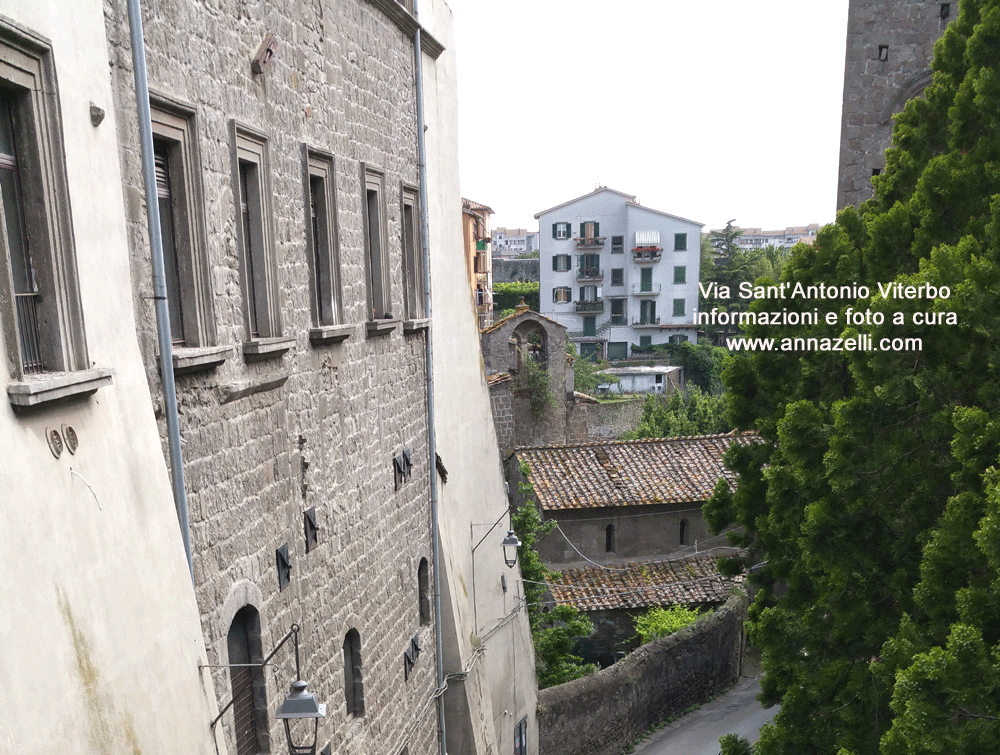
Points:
[561,262]
[521,737]
[883,52]
[618,312]
[178,189]
[424,592]
[560,230]
[678,307]
[41,310]
[413,258]
[590,266]
[590,293]
[684,532]
[562,295]
[609,539]
[680,274]
[617,276]
[249,691]
[617,244]
[645,340]
[591,351]
[253,232]
[354,688]
[376,263]
[945,10]
[589,326]
[590,229]
[646,280]
[678,339]
[322,241]
[680,242]
[647,312]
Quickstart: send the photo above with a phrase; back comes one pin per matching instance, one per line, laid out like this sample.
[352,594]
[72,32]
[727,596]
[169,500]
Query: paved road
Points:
[698,733]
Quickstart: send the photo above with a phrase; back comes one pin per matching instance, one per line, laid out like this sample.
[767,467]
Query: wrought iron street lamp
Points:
[510,546]
[300,704]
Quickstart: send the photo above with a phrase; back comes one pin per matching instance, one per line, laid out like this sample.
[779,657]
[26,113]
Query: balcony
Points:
[589,242]
[646,322]
[641,254]
[650,289]
[590,307]
[589,274]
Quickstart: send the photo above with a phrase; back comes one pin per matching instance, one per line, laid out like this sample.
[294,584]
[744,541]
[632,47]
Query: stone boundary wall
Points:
[601,713]
[611,421]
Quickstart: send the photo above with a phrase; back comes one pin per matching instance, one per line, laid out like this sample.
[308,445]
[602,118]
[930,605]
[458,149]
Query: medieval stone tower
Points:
[889,49]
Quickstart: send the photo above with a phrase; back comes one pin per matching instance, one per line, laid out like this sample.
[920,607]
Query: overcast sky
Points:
[706,109]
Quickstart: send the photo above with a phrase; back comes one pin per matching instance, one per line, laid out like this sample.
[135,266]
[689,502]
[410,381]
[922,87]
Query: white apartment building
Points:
[756,238]
[618,275]
[513,242]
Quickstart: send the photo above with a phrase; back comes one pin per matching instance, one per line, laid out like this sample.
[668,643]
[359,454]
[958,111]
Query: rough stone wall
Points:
[502,404]
[318,427]
[876,89]
[601,713]
[607,421]
[641,532]
[505,271]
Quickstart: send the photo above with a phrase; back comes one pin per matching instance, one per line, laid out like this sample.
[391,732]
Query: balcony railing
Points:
[646,322]
[589,273]
[647,253]
[593,242]
[590,306]
[650,289]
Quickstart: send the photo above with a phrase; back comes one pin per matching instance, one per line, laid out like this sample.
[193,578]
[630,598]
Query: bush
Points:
[508,295]
[659,622]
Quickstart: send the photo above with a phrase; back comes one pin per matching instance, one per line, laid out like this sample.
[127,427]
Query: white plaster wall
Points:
[101,647]
[501,686]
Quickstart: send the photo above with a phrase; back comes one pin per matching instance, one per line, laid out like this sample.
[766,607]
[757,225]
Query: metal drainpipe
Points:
[159,278]
[432,435]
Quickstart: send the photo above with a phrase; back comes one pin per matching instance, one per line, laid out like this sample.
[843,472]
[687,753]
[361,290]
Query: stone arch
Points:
[912,87]
[529,339]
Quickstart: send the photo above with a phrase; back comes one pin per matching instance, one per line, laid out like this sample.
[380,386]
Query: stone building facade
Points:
[288,139]
[889,49]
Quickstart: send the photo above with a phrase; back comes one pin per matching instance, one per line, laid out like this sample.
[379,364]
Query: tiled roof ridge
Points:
[641,441]
[628,565]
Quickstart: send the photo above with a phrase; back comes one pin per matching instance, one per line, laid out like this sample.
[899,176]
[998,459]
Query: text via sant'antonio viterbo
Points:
[850,316]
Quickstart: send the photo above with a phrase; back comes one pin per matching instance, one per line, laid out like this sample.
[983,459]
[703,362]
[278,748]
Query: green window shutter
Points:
[597,229]
[555,262]
[678,307]
[555,227]
[680,275]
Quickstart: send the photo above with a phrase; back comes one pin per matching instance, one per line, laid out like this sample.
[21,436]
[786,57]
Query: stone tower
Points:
[889,49]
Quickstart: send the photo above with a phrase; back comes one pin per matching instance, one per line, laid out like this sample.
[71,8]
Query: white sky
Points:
[706,109]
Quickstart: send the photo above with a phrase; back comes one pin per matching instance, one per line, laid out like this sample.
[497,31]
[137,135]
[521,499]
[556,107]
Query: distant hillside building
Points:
[478,257]
[617,274]
[889,49]
[756,238]
[513,242]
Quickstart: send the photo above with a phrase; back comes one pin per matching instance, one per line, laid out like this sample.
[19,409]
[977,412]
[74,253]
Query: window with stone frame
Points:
[618,312]
[322,238]
[258,268]
[182,236]
[680,274]
[617,276]
[39,297]
[250,726]
[376,256]
[680,242]
[678,308]
[413,260]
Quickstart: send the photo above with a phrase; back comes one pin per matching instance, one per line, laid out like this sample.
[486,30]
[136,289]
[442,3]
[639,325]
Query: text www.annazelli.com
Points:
[862,342]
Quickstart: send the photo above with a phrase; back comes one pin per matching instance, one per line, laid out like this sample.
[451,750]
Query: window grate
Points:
[27,329]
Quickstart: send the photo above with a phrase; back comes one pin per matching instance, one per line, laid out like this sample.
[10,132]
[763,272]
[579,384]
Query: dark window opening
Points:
[945,10]
[354,688]
[609,539]
[883,52]
[684,532]
[424,592]
[249,691]
[876,172]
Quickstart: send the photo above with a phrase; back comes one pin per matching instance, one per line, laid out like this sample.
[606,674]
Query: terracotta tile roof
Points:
[497,377]
[655,583]
[629,473]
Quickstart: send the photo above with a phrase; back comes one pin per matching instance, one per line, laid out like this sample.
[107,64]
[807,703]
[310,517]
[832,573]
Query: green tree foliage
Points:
[687,412]
[702,363]
[533,379]
[585,372]
[554,631]
[659,622]
[874,500]
[734,744]
[508,295]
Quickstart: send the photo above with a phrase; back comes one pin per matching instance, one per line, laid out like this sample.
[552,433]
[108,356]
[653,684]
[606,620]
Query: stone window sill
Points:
[267,348]
[49,387]
[381,327]
[197,359]
[412,326]
[325,334]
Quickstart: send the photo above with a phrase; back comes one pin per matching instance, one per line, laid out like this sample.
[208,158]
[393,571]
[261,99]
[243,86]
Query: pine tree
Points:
[873,504]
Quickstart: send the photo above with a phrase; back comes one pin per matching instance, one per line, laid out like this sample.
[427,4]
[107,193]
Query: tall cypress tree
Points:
[873,505]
